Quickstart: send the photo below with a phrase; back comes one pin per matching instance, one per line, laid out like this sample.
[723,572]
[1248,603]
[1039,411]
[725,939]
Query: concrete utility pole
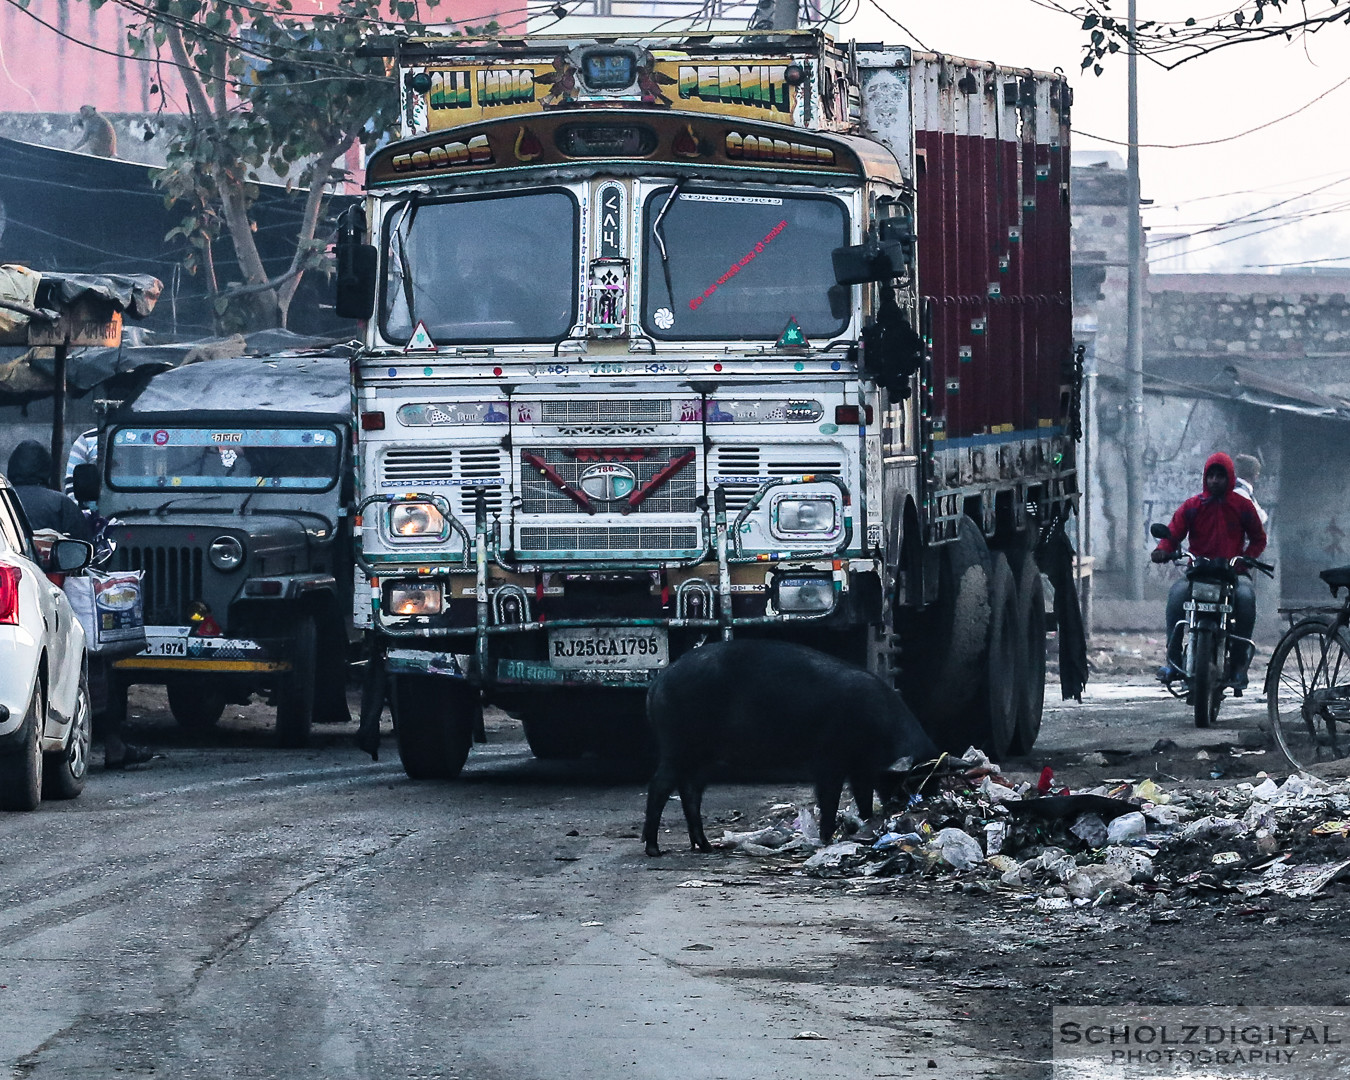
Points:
[1134,341]
[775,15]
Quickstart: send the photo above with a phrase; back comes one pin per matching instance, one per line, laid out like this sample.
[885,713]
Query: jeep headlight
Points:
[414,598]
[800,516]
[417,521]
[803,593]
[225,553]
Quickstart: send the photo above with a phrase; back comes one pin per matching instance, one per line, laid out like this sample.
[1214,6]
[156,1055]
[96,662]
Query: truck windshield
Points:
[740,265]
[485,269]
[197,459]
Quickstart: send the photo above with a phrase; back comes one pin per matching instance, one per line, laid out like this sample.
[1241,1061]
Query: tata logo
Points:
[608,482]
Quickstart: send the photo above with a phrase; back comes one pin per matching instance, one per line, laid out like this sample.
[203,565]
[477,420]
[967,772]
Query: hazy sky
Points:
[1211,98]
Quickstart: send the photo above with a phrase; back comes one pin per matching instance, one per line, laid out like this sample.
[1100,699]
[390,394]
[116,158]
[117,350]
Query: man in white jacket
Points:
[1248,471]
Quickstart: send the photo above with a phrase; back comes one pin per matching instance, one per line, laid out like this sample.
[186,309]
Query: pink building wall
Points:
[43,72]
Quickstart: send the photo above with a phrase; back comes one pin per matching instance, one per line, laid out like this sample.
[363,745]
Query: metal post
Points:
[1134,338]
[58,476]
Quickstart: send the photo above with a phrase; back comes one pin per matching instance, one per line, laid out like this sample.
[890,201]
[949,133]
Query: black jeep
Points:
[230,483]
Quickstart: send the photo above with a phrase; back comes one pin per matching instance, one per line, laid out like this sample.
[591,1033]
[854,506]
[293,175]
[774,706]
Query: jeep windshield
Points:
[223,459]
[733,266]
[493,269]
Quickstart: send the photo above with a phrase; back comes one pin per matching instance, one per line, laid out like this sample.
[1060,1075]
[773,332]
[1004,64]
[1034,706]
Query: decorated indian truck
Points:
[672,340]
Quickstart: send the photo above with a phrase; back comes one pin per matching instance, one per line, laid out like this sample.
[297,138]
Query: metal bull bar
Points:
[491,612]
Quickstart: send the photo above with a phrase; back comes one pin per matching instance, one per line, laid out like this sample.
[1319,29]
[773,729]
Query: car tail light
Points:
[852,414]
[9,595]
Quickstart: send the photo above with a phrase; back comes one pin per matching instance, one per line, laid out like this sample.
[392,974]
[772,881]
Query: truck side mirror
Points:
[84,482]
[876,260]
[1159,531]
[356,268]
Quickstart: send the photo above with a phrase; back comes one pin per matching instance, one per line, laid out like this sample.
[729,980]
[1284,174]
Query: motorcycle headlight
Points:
[417,521]
[414,598]
[1207,592]
[803,594]
[804,516]
[225,553]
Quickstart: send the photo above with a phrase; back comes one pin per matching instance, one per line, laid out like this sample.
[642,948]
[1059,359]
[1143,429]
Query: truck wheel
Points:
[1002,690]
[195,706]
[943,646]
[552,738]
[295,703]
[1031,620]
[330,691]
[21,768]
[64,770]
[434,719]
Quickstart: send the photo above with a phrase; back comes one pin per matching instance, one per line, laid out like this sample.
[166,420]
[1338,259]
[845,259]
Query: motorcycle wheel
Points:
[1206,685]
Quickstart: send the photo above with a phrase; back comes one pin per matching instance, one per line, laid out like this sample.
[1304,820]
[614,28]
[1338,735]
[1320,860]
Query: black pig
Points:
[771,702]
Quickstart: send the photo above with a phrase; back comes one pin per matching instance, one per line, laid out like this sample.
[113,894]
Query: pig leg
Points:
[862,787]
[691,798]
[829,786]
[659,791]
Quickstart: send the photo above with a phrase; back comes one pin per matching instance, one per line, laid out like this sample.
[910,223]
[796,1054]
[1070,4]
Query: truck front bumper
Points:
[176,649]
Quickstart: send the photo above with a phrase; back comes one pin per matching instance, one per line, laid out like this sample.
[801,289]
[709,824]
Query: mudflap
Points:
[1055,557]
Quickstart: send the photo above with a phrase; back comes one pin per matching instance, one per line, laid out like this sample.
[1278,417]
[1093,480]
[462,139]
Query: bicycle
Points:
[1308,680]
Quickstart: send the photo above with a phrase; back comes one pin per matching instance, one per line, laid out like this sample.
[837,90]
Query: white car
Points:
[45,715]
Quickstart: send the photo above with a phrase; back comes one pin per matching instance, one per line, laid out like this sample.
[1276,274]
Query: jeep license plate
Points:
[627,648]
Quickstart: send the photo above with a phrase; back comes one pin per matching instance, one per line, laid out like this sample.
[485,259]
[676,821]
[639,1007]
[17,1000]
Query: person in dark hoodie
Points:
[1221,524]
[30,471]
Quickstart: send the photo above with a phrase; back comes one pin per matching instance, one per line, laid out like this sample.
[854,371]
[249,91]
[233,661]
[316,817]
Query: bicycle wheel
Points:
[1206,684]
[1308,693]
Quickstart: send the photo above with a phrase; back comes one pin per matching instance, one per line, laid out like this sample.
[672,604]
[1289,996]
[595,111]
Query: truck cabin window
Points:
[737,266]
[475,270]
[218,459]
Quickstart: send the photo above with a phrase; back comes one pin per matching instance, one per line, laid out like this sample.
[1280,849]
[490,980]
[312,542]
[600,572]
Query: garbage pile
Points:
[1121,843]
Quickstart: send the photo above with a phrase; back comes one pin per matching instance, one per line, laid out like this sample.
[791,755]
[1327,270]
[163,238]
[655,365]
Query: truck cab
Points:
[649,361]
[228,485]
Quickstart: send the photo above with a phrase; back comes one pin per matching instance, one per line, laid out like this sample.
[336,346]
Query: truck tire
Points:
[1002,690]
[434,720]
[195,706]
[295,700]
[942,647]
[21,766]
[552,738]
[65,770]
[1031,619]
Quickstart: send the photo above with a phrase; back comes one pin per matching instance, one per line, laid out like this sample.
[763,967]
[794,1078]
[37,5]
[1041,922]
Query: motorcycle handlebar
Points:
[1237,560]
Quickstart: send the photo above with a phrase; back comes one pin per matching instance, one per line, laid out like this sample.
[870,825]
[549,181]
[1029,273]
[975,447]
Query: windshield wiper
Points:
[162,507]
[660,239]
[401,232]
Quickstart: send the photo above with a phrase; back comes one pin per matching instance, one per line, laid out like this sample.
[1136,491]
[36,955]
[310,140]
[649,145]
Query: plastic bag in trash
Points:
[956,848]
[1137,865]
[1091,881]
[1211,828]
[827,858]
[808,824]
[1091,829]
[1128,828]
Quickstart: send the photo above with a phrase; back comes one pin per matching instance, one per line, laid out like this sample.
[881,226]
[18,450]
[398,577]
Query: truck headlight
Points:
[225,553]
[417,520]
[800,594]
[804,516]
[414,598]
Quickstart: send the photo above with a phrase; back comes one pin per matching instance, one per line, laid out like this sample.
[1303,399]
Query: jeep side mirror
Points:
[1159,531]
[84,482]
[69,555]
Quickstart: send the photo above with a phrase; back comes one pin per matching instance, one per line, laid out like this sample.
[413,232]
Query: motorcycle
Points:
[1207,635]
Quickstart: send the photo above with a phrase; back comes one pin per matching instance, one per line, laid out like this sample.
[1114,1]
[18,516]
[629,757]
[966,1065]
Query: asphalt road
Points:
[235,910]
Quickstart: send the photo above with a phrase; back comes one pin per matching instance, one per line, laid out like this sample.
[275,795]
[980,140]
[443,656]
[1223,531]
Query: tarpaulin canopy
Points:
[29,297]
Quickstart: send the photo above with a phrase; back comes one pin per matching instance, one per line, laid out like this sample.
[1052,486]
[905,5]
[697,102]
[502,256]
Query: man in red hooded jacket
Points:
[1221,524]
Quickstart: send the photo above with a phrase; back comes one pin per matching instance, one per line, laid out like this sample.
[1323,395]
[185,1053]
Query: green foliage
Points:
[1172,42]
[267,89]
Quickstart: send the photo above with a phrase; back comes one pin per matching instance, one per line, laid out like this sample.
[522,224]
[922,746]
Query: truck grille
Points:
[756,461]
[541,496]
[173,580]
[567,413]
[645,538]
[464,470]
